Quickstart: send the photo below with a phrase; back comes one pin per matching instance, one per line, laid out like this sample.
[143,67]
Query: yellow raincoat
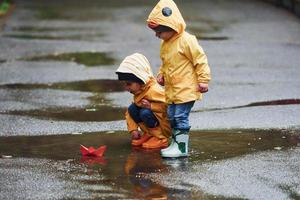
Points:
[138,65]
[184,63]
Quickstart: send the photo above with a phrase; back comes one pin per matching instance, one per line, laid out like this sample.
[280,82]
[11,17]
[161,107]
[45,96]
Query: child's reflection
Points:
[140,163]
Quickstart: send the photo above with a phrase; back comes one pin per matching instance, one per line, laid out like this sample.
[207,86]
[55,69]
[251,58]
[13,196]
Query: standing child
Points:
[148,110]
[184,72]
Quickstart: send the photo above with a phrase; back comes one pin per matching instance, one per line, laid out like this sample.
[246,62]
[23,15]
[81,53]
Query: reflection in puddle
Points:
[126,168]
[101,85]
[92,161]
[85,58]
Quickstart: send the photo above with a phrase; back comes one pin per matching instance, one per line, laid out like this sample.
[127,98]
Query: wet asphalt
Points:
[245,132]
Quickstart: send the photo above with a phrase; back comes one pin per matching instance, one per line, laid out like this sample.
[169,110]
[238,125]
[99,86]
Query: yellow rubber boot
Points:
[145,137]
[157,141]
[140,141]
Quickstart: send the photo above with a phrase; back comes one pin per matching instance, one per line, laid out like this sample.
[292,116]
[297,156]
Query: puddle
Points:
[55,33]
[126,168]
[93,113]
[86,37]
[99,86]
[212,37]
[205,146]
[71,13]
[98,104]
[85,58]
[39,29]
[82,11]
[231,143]
[275,102]
[262,103]
[203,31]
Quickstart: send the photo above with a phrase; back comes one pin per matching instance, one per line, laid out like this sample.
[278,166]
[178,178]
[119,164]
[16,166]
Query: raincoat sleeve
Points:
[197,56]
[131,125]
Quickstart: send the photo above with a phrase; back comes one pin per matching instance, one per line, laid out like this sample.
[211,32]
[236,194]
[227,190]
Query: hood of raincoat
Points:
[167,13]
[138,65]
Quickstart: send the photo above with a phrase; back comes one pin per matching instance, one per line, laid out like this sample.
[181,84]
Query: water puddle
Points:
[94,111]
[255,104]
[85,58]
[91,113]
[72,13]
[232,143]
[39,29]
[202,28]
[96,86]
[125,168]
[212,37]
[86,36]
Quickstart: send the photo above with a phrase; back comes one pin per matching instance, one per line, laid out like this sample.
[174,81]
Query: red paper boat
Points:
[91,151]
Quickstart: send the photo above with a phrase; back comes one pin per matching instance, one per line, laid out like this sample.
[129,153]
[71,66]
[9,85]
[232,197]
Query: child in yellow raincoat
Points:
[184,71]
[148,111]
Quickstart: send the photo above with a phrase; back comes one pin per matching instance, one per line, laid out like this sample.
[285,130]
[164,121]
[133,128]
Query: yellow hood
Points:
[138,65]
[166,13]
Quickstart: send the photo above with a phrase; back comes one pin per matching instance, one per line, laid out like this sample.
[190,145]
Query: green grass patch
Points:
[4,7]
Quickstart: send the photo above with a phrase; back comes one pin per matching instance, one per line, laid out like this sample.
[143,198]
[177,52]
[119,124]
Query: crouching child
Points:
[146,117]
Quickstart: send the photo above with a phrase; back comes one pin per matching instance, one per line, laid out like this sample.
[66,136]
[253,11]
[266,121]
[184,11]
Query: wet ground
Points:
[58,90]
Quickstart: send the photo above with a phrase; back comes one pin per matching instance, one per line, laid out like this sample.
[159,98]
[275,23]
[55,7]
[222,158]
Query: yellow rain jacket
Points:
[184,63]
[138,65]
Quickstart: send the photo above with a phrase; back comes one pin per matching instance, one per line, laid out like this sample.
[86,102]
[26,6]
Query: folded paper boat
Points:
[91,151]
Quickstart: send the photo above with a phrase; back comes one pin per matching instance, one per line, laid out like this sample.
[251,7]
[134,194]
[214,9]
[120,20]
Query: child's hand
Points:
[203,87]
[160,79]
[135,135]
[145,104]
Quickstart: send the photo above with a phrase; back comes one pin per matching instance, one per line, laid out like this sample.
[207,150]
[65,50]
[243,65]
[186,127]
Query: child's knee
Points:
[148,118]
[145,113]
[133,109]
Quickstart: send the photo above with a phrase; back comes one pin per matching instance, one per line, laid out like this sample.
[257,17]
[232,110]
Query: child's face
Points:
[165,35]
[132,87]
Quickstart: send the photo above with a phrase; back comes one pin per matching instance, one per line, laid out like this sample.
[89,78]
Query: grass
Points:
[4,7]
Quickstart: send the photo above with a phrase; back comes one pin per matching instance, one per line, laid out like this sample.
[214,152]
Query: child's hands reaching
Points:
[160,79]
[135,135]
[203,87]
[145,104]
